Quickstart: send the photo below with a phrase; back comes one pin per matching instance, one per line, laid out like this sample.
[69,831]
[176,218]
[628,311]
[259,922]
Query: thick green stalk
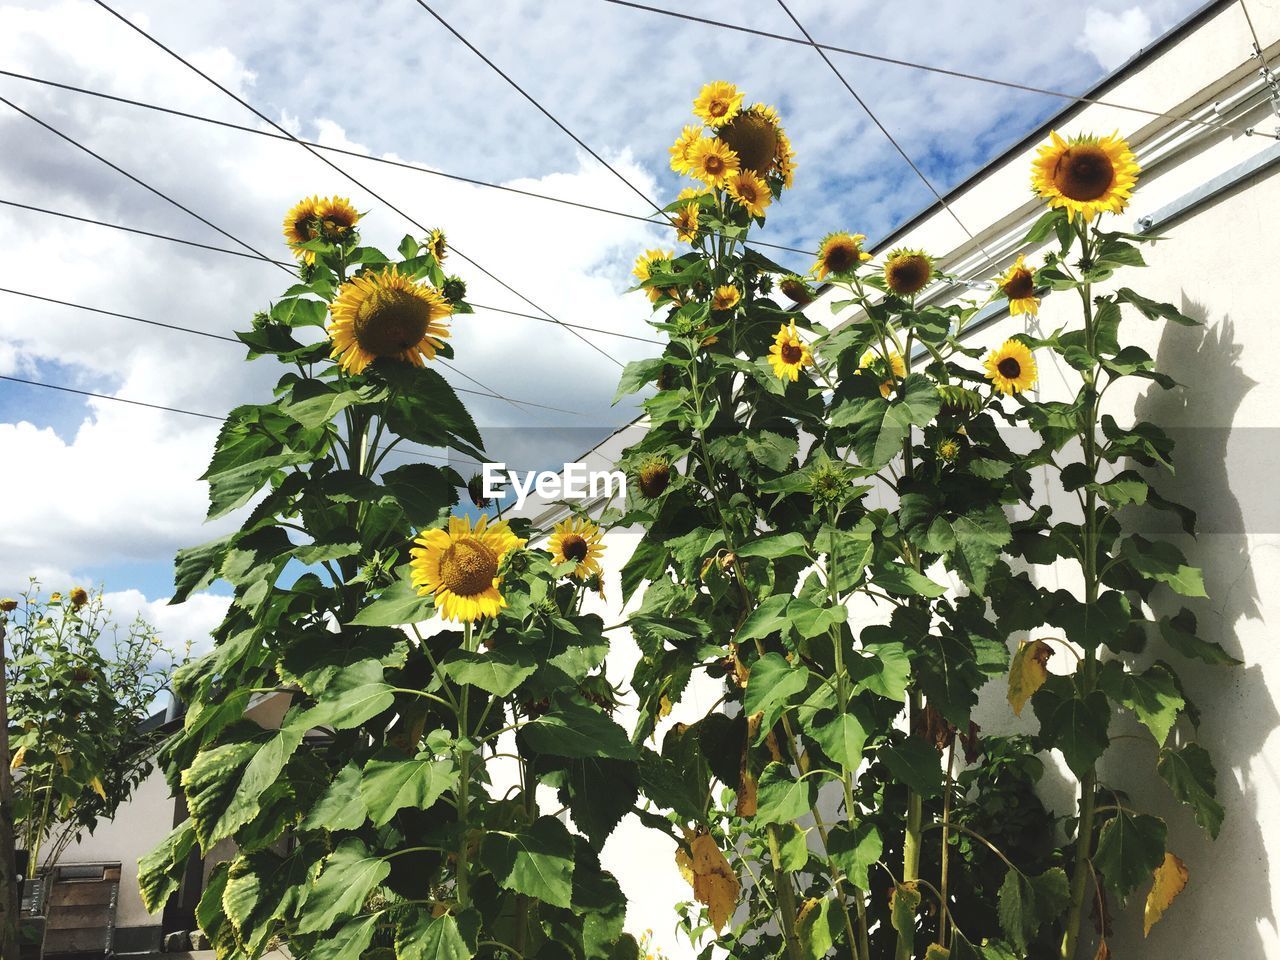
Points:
[464,785]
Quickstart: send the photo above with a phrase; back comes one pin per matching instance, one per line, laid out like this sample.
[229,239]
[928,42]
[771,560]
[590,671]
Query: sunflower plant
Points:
[400,680]
[832,522]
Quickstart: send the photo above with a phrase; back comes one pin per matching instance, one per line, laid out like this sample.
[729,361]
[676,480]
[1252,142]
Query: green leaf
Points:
[881,426]
[766,619]
[855,850]
[903,904]
[1076,727]
[1025,903]
[397,605]
[1190,775]
[537,862]
[160,871]
[349,943]
[915,763]
[197,567]
[904,581]
[793,847]
[340,807]
[842,739]
[885,672]
[1154,310]
[314,402]
[392,782]
[353,697]
[980,536]
[210,784]
[497,672]
[782,799]
[1162,561]
[773,685]
[422,490]
[1179,631]
[637,374]
[1130,847]
[776,547]
[420,936]
[817,928]
[573,730]
[599,793]
[1152,695]
[350,874]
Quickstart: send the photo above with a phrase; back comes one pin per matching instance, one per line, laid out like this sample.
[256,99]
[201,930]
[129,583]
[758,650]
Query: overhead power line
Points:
[930,68]
[883,129]
[344,173]
[218,336]
[387,161]
[237,253]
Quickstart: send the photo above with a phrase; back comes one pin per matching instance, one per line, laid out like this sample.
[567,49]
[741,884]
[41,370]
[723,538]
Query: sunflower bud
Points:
[454,289]
[796,289]
[655,474]
[828,484]
[949,449]
[475,490]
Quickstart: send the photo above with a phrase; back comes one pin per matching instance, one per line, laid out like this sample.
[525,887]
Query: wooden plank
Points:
[75,941]
[97,916]
[80,893]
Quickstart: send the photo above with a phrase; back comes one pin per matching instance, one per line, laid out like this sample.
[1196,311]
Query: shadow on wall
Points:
[1227,907]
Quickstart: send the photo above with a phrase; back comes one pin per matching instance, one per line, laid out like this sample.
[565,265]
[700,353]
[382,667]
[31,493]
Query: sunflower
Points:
[794,286]
[686,223]
[692,193]
[713,162]
[838,254]
[680,149]
[750,192]
[725,298]
[643,267]
[459,566]
[300,226]
[79,596]
[386,314]
[8,605]
[753,134]
[1019,285]
[895,366]
[337,218]
[577,540]
[437,245]
[653,476]
[907,272]
[718,103]
[1011,369]
[789,354]
[1086,175]
[784,161]
[948,449]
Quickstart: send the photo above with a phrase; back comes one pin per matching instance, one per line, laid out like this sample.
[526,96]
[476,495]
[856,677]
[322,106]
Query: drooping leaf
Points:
[340,807]
[537,862]
[1028,670]
[496,671]
[1190,775]
[350,874]
[160,870]
[421,936]
[575,731]
[397,605]
[1170,880]
[915,763]
[774,684]
[816,927]
[350,942]
[855,850]
[1130,848]
[1077,727]
[714,883]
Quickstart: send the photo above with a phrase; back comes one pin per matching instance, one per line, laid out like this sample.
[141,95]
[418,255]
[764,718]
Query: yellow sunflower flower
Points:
[643,267]
[750,191]
[717,103]
[725,298]
[578,540]
[789,354]
[437,245]
[1011,369]
[1086,175]
[692,193]
[907,272]
[686,223]
[337,218]
[459,567]
[713,162]
[871,360]
[386,314]
[784,161]
[300,226]
[1019,285]
[753,134]
[680,149]
[838,254]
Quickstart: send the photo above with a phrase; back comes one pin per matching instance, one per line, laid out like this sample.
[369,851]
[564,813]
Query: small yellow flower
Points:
[1086,175]
[459,566]
[692,193]
[750,192]
[686,223]
[871,360]
[55,597]
[79,596]
[577,540]
[907,272]
[789,354]
[725,298]
[19,758]
[1011,368]
[680,149]
[713,162]
[838,254]
[1019,285]
[718,103]
[386,314]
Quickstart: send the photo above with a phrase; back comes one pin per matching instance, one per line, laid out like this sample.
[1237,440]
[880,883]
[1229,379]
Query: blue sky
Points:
[104,492]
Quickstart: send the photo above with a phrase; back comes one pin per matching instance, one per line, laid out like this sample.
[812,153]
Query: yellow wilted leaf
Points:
[98,788]
[1170,879]
[64,760]
[714,883]
[18,758]
[937,952]
[1027,672]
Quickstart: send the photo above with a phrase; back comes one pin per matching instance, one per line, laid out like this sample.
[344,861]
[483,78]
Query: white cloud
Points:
[181,629]
[1112,38]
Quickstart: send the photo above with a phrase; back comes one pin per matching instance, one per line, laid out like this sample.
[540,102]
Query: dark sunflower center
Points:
[468,567]
[654,479]
[389,322]
[302,228]
[1009,368]
[1084,173]
[792,352]
[908,275]
[1020,285]
[754,139]
[713,164]
[841,257]
[574,548]
[719,108]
